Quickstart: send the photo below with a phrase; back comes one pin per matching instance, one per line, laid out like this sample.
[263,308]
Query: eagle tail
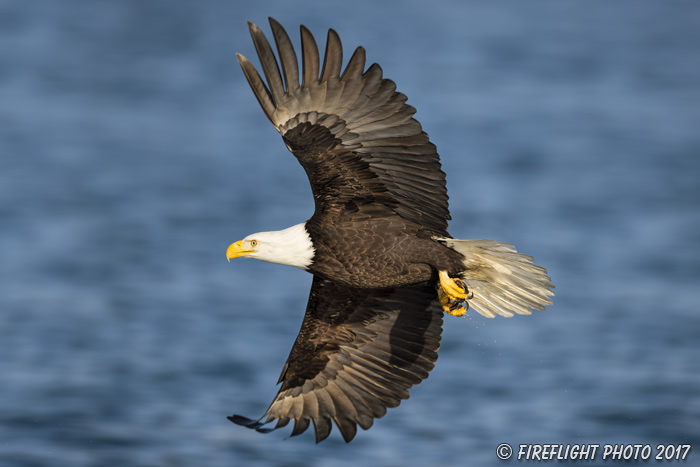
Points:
[501,280]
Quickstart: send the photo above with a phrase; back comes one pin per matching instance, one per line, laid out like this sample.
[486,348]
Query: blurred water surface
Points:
[132,152]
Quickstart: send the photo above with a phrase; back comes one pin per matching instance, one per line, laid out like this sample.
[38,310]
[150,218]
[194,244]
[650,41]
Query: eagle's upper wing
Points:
[357,354]
[352,132]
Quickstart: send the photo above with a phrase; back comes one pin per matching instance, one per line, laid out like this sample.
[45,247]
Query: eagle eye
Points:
[253,243]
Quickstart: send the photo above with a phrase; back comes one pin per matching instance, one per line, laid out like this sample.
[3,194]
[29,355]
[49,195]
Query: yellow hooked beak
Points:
[236,249]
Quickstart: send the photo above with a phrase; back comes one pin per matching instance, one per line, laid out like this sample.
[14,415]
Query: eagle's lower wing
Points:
[353,133]
[357,354]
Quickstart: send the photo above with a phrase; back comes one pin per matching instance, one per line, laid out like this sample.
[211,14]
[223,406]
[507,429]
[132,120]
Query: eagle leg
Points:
[453,295]
[452,287]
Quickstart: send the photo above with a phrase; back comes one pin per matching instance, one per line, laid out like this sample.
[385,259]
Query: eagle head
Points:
[292,246]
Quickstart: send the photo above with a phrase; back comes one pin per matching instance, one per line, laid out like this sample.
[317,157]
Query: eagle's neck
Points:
[291,246]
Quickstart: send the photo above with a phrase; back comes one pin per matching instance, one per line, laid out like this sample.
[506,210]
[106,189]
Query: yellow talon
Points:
[450,287]
[458,312]
[452,296]
[451,306]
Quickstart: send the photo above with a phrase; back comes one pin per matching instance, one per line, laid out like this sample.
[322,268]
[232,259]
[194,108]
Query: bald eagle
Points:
[384,267]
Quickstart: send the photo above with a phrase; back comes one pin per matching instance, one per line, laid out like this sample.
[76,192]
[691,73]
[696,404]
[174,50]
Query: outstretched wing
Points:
[357,354]
[352,132]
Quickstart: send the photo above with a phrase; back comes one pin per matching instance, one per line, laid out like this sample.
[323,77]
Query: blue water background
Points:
[132,152]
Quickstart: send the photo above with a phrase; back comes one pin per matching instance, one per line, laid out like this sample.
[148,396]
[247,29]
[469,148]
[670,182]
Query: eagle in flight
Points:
[384,267]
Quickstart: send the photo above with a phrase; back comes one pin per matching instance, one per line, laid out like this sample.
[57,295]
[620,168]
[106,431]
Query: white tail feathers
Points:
[502,280]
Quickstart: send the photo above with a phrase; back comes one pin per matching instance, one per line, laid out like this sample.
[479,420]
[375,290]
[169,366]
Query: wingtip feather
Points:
[243,421]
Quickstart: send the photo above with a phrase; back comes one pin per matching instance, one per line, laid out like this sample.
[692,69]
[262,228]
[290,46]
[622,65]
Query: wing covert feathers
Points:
[366,120]
[357,354]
